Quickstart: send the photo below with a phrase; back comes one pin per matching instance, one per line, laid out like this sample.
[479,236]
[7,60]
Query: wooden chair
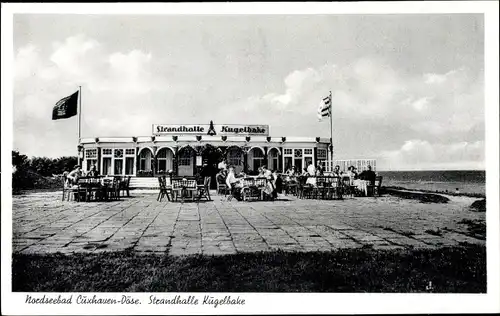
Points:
[337,188]
[322,187]
[374,190]
[112,189]
[70,190]
[125,186]
[222,187]
[204,189]
[347,188]
[305,190]
[165,189]
[92,187]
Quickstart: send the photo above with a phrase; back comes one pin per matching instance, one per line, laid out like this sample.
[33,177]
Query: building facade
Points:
[184,149]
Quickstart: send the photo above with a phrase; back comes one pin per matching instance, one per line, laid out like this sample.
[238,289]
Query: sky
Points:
[407,90]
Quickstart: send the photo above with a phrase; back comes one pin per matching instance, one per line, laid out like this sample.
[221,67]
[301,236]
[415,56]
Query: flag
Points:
[325,107]
[66,107]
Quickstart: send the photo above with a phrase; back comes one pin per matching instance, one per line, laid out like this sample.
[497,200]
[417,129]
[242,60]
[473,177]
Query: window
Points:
[118,166]
[130,151]
[90,163]
[288,162]
[118,153]
[90,153]
[308,151]
[107,151]
[129,165]
[106,166]
[185,158]
[234,158]
[297,153]
[288,151]
[257,153]
[322,154]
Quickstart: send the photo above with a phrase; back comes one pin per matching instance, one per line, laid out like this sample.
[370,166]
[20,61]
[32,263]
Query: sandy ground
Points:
[42,223]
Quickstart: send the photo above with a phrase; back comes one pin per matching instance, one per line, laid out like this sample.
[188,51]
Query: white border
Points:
[266,303]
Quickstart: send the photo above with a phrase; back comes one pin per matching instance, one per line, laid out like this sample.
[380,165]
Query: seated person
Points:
[351,172]
[304,172]
[234,183]
[93,171]
[74,175]
[271,184]
[336,171]
[368,175]
[222,165]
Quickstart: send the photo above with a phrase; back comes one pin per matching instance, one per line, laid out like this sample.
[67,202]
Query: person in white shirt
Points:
[234,183]
[222,165]
[311,172]
[271,184]
[74,175]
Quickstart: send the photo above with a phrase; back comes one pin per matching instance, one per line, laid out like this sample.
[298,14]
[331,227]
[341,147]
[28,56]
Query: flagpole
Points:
[79,120]
[331,131]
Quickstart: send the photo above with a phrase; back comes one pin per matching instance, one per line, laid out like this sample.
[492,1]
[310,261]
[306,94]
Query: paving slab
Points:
[42,223]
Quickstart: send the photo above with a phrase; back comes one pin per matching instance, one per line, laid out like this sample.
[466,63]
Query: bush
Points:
[37,172]
[478,206]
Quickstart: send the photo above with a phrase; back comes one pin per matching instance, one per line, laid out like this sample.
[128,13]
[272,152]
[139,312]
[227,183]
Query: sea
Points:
[466,181]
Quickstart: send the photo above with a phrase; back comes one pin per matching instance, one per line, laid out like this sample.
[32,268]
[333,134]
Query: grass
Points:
[451,270]
[472,195]
[437,232]
[478,206]
[422,197]
[475,228]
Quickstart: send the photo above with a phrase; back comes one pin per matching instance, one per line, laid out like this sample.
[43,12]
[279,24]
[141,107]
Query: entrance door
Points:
[186,162]
[298,165]
[211,157]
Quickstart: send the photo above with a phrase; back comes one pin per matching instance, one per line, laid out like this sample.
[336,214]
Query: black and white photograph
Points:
[187,158]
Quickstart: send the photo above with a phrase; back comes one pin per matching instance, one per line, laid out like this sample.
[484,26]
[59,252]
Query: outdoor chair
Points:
[204,189]
[165,189]
[322,187]
[336,188]
[305,190]
[260,185]
[92,187]
[291,187]
[69,190]
[125,186]
[222,187]
[347,188]
[374,189]
[111,188]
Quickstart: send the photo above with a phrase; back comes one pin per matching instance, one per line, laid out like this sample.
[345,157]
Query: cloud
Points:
[433,78]
[406,119]
[26,62]
[421,154]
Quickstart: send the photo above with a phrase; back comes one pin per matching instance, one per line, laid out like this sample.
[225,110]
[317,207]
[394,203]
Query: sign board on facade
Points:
[210,129]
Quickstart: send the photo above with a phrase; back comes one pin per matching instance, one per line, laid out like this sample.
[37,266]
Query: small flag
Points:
[66,107]
[324,108]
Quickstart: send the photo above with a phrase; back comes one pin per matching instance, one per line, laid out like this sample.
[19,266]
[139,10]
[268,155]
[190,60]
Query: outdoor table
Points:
[362,185]
[90,184]
[184,185]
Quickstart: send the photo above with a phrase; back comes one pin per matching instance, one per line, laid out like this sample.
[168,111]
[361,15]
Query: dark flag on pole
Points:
[66,107]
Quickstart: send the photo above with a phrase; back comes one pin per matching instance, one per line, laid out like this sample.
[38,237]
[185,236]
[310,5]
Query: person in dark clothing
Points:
[368,175]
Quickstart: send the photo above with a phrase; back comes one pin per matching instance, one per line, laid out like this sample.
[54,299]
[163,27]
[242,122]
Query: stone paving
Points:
[44,224]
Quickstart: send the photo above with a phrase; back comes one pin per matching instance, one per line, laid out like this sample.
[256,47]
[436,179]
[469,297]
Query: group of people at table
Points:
[79,180]
[236,183]
[275,181]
